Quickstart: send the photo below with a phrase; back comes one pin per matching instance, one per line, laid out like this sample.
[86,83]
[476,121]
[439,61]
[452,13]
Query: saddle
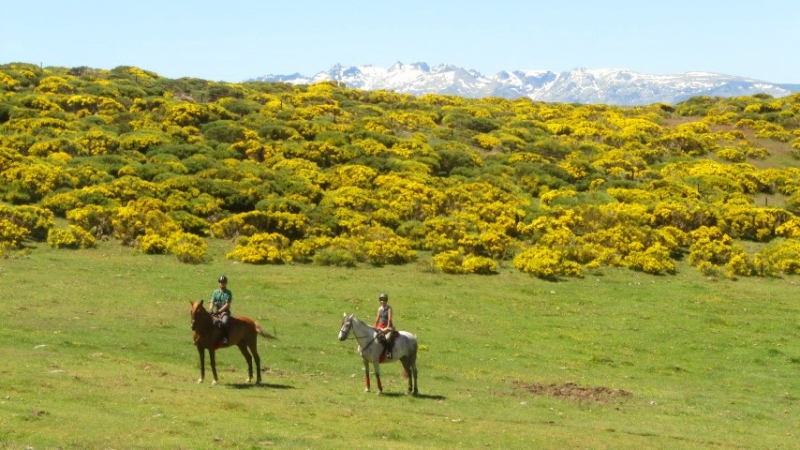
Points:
[216,320]
[392,336]
[388,344]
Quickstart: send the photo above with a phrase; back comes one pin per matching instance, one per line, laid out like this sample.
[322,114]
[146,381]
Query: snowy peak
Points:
[580,85]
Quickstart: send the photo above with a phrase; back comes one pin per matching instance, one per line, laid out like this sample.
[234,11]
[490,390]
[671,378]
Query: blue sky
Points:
[236,40]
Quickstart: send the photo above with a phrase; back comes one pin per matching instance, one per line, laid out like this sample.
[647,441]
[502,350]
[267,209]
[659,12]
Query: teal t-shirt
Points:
[220,297]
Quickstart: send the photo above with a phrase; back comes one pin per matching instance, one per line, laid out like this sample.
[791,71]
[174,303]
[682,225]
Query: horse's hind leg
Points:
[243,348]
[409,374]
[414,374]
[212,357]
[254,351]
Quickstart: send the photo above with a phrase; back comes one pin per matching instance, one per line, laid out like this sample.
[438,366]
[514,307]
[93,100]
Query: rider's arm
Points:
[390,324]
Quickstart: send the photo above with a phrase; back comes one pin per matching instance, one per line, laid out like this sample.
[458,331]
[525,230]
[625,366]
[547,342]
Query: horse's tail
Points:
[263,333]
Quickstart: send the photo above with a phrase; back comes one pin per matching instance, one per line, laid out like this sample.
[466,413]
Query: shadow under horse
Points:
[243,332]
[405,350]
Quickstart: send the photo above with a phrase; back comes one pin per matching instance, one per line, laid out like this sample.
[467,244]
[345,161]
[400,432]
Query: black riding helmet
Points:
[223,279]
[383,297]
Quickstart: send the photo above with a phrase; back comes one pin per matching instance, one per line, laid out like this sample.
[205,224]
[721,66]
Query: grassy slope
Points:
[96,353]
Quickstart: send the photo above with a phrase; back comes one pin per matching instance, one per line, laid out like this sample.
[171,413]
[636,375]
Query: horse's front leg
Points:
[376,363]
[202,353]
[366,374]
[212,357]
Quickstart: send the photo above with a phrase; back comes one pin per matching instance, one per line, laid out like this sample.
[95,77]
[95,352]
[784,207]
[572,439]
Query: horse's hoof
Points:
[366,391]
[214,383]
[199,381]
[249,380]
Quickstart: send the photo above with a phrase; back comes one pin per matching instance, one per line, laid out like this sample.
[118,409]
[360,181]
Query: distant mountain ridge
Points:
[605,86]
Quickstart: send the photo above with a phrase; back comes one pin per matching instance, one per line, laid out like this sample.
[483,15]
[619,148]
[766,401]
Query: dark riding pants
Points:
[223,323]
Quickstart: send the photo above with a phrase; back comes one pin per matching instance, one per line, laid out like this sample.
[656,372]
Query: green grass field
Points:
[97,353]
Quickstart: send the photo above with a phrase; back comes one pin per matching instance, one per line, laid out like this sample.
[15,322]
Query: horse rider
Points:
[221,301]
[384,324]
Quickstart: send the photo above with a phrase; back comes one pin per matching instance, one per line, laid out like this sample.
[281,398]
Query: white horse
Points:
[372,351]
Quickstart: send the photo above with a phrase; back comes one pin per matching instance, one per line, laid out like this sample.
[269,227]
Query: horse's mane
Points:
[352,317]
[198,306]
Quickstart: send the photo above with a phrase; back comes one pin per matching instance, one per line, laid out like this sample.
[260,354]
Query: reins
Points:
[206,321]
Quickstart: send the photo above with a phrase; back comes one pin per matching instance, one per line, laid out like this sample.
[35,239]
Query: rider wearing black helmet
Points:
[221,301]
[384,323]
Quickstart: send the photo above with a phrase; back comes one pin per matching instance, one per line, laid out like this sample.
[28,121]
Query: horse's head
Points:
[197,312]
[347,323]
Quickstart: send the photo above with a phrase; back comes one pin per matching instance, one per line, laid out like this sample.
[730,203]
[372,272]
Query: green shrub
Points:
[654,260]
[61,202]
[11,235]
[153,244]
[262,248]
[546,263]
[480,265]
[783,256]
[38,221]
[187,247]
[333,256]
[304,250]
[739,265]
[70,237]
[343,251]
[189,222]
[382,246]
[449,261]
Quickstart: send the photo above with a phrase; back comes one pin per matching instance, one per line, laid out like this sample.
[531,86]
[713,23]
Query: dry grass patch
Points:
[575,393]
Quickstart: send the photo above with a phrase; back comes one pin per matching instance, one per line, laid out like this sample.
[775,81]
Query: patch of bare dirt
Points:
[574,392]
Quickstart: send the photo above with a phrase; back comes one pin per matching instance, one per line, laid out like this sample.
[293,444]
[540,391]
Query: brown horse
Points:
[243,333]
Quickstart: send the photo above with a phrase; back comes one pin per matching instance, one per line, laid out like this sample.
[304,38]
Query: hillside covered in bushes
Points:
[329,175]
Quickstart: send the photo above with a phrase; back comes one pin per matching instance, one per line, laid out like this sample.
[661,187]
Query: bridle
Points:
[195,318]
[348,325]
[346,328]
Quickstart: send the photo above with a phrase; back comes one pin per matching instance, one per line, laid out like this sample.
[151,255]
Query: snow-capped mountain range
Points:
[604,86]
